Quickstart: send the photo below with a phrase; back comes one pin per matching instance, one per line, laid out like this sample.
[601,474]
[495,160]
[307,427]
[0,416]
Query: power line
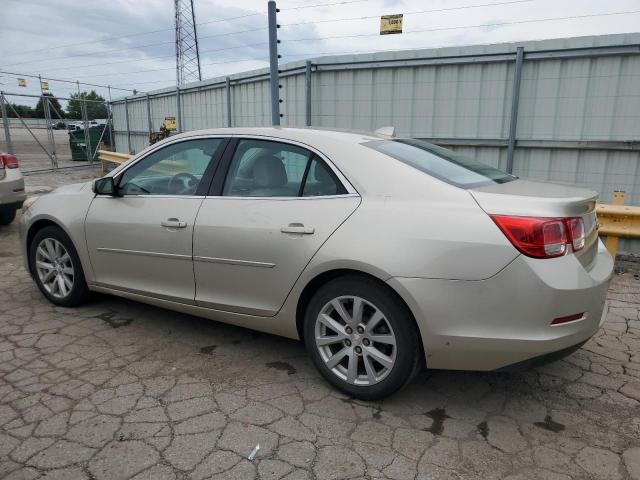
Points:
[495,24]
[149,32]
[311,39]
[169,68]
[154,58]
[415,12]
[323,5]
[63,80]
[244,31]
[133,47]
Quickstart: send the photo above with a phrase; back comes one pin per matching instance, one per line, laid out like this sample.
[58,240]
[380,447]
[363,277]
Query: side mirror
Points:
[104,186]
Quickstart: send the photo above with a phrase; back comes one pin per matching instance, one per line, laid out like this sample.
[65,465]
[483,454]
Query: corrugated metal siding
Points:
[585,99]
[581,99]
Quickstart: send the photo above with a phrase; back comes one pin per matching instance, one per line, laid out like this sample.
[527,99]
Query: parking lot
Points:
[31,154]
[118,390]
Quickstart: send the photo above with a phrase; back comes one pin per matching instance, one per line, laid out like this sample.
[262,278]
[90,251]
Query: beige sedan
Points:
[385,255]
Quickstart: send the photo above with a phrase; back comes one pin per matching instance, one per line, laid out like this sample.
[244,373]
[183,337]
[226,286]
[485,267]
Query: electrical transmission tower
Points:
[187,54]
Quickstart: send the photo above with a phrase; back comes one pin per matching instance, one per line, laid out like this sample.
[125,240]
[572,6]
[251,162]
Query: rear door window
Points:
[263,168]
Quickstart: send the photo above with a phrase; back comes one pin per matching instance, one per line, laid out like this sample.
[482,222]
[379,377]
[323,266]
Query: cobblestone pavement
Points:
[119,390]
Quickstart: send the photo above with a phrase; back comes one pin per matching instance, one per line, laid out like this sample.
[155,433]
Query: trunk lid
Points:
[528,198]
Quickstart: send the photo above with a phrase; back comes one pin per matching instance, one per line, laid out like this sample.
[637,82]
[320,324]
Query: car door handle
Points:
[173,223]
[298,228]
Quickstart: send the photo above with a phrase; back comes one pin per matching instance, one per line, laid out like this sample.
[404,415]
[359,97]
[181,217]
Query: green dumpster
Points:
[77,142]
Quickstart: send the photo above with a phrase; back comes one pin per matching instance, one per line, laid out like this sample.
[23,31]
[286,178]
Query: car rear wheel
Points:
[56,268]
[362,338]
[7,215]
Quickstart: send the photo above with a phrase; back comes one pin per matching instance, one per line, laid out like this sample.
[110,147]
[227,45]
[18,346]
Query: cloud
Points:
[107,42]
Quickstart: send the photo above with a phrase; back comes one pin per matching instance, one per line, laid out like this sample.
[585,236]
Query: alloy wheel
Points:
[355,340]
[54,267]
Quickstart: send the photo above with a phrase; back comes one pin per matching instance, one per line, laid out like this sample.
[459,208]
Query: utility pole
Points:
[187,52]
[273,62]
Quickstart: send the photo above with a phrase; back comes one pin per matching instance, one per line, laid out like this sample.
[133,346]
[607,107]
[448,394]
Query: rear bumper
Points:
[12,192]
[541,359]
[506,319]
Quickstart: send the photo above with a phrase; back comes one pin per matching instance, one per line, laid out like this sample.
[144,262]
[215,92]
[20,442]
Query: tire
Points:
[7,215]
[327,337]
[52,243]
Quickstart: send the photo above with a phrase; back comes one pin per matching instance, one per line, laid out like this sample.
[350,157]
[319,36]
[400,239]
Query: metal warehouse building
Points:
[564,110]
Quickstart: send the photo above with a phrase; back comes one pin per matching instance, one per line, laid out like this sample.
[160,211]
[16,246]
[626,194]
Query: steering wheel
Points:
[183,183]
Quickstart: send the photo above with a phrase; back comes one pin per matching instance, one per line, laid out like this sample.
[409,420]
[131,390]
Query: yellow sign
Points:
[170,123]
[44,85]
[390,24]
[22,82]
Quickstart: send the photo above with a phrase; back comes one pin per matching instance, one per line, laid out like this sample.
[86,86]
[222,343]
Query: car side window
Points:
[321,181]
[176,169]
[261,168]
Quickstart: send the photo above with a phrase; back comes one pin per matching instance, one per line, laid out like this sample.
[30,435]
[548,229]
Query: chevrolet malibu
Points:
[384,254]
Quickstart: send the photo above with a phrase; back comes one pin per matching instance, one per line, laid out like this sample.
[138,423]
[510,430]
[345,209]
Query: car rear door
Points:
[141,240]
[263,222]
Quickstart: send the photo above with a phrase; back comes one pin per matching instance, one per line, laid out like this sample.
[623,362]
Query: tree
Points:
[95,109]
[55,106]
[25,111]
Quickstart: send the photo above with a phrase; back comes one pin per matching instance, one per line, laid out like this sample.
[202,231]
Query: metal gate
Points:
[54,142]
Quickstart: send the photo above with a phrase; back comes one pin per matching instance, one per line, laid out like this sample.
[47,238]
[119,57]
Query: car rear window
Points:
[444,164]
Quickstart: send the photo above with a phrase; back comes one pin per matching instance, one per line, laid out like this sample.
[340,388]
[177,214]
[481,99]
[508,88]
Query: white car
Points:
[12,192]
[385,255]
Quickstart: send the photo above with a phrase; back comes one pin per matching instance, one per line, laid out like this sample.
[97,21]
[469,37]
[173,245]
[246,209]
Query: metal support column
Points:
[149,116]
[228,92]
[5,122]
[126,117]
[112,140]
[85,125]
[515,100]
[179,113]
[307,93]
[47,117]
[273,62]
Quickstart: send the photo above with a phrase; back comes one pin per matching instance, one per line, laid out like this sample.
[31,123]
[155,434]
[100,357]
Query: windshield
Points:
[441,163]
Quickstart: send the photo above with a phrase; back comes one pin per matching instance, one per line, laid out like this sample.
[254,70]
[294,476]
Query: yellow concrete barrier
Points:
[618,220]
[113,157]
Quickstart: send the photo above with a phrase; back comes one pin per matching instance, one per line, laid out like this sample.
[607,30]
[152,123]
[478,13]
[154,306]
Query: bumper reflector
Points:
[569,318]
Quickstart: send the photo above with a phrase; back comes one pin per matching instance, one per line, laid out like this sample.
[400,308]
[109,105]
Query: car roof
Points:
[301,134]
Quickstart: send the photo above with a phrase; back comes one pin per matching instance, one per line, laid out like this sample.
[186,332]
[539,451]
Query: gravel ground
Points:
[119,390]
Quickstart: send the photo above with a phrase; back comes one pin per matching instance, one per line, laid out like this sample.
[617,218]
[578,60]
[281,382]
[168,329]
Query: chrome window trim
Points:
[341,178]
[155,195]
[317,197]
[351,191]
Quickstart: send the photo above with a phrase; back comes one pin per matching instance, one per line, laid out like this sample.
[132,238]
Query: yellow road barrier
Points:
[618,220]
[112,157]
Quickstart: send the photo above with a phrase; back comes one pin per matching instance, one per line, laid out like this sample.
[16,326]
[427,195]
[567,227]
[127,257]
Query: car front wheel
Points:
[56,267]
[362,338]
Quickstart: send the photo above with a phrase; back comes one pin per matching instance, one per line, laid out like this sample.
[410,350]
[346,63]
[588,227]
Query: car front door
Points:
[140,240]
[262,224]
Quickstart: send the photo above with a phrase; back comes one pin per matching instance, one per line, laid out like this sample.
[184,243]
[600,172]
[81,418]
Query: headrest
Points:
[269,172]
[321,173]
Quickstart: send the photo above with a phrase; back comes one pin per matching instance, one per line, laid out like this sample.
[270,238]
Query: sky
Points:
[129,44]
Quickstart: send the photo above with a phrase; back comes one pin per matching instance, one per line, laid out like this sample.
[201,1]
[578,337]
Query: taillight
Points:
[576,231]
[541,237]
[8,161]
